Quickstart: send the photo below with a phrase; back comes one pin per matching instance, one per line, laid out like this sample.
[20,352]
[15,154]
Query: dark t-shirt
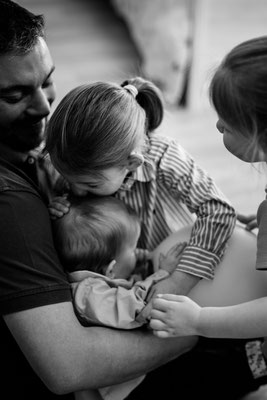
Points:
[30,272]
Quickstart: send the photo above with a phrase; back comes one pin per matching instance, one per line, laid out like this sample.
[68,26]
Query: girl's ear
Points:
[110,273]
[135,159]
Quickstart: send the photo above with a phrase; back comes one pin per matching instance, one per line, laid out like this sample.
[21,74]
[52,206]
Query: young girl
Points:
[238,92]
[101,139]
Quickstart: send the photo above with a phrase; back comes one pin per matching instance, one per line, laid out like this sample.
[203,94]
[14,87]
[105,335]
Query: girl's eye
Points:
[92,186]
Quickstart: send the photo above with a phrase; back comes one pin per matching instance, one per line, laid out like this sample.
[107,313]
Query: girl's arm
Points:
[191,185]
[180,316]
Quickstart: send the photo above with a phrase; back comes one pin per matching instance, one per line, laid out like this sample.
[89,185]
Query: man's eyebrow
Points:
[23,87]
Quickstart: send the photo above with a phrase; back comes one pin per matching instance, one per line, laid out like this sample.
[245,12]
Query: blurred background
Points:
[175,43]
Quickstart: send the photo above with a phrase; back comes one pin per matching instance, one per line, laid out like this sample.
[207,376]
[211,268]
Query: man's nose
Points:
[41,103]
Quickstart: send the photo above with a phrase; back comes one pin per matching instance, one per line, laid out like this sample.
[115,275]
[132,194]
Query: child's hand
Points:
[173,315]
[167,285]
[250,221]
[170,260]
[58,207]
[142,255]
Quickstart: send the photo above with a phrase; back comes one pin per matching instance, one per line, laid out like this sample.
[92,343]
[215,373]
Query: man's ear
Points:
[135,159]
[109,273]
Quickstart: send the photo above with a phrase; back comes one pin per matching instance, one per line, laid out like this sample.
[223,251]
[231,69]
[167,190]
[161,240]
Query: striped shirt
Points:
[261,260]
[168,192]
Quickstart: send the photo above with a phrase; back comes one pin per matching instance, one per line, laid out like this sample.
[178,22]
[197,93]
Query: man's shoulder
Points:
[11,178]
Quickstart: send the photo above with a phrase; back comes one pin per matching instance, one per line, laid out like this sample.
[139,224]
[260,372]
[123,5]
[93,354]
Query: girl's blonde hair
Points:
[96,126]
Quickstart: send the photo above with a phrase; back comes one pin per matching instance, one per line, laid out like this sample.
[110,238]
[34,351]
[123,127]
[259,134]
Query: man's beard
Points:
[23,136]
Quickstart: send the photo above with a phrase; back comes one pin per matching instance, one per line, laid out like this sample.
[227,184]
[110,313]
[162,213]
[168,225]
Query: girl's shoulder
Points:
[157,138]
[162,146]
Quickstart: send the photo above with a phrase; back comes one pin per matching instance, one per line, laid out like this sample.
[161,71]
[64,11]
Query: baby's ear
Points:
[110,273]
[262,155]
[135,159]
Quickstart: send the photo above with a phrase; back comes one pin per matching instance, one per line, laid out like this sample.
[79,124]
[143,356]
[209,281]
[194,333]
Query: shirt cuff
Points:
[199,262]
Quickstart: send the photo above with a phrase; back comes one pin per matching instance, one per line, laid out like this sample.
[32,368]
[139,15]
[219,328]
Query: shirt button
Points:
[30,160]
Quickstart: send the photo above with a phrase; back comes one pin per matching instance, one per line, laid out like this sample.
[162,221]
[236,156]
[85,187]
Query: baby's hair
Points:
[238,90]
[97,126]
[93,232]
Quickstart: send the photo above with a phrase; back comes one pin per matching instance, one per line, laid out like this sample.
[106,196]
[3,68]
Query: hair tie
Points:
[131,89]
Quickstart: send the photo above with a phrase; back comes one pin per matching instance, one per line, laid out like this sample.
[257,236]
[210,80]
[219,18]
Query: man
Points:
[45,351]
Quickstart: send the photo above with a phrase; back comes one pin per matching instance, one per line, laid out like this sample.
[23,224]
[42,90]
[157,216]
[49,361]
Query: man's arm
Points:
[69,357]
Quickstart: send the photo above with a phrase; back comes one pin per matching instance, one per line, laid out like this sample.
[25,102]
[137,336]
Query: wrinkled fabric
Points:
[115,303]
[111,302]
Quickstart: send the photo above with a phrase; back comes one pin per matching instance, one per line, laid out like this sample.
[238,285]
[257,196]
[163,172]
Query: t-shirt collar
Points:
[16,157]
[145,173]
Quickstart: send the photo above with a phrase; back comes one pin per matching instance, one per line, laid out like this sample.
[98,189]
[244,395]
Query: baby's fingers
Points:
[58,207]
[56,213]
[59,201]
[63,208]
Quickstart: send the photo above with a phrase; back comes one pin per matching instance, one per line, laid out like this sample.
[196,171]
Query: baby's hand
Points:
[58,207]
[173,315]
[167,285]
[170,260]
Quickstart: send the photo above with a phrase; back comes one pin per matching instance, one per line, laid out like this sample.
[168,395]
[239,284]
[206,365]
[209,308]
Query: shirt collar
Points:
[145,173]
[16,157]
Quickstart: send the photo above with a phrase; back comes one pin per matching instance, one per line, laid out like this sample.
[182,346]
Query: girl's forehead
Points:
[94,177]
[80,178]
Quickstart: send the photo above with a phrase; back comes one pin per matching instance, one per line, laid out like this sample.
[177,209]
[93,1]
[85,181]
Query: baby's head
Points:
[238,92]
[99,234]
[100,128]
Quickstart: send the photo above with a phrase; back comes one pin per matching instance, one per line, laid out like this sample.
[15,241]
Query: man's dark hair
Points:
[19,28]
